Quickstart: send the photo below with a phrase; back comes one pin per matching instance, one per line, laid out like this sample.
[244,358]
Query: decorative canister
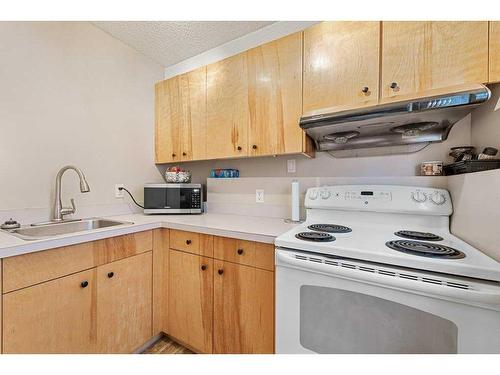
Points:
[431,168]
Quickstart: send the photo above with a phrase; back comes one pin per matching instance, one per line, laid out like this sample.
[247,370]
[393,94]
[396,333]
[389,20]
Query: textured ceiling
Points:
[168,43]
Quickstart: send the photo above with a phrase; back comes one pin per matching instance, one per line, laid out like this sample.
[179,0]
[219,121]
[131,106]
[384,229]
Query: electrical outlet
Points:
[119,193]
[290,166]
[259,195]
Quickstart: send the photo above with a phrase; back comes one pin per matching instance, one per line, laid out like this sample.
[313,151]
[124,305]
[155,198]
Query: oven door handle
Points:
[491,295]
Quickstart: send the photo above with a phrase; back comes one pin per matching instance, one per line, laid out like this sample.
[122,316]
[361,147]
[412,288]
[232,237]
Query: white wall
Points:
[72,94]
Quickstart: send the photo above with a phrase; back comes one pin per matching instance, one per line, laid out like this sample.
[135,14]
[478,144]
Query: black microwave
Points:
[173,199]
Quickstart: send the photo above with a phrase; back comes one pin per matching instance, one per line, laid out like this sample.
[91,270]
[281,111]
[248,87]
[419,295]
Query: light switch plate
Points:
[290,166]
[259,195]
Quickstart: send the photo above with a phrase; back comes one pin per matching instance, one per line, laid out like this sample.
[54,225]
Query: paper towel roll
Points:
[295,201]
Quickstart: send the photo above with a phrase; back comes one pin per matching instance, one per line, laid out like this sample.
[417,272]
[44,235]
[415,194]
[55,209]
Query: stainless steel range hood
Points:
[412,120]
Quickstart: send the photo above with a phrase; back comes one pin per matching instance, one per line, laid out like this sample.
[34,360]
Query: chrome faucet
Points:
[59,210]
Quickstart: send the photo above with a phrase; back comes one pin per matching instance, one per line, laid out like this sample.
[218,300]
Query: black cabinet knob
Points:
[188,242]
[184,154]
[220,272]
[173,155]
[365,89]
[84,284]
[111,274]
[254,147]
[394,85]
[239,148]
[240,251]
[203,267]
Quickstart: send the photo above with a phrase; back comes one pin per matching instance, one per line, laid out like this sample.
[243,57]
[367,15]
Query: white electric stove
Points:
[375,269]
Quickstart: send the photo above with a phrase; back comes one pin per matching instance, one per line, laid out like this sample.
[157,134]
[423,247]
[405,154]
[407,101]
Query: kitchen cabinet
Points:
[124,298]
[275,97]
[228,114]
[160,280]
[243,309]
[418,56]
[341,64]
[57,316]
[190,297]
[494,73]
[181,117]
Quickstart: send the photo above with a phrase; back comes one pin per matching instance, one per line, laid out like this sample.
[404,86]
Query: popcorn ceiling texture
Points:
[168,43]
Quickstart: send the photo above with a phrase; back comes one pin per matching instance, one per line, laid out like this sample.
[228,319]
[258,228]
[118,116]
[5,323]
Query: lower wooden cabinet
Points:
[57,316]
[124,303]
[190,300]
[243,309]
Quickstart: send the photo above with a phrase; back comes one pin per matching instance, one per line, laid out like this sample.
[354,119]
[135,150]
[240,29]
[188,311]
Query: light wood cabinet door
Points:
[494,74]
[275,97]
[168,120]
[190,308]
[228,115]
[341,64]
[193,91]
[124,304]
[57,316]
[243,309]
[418,56]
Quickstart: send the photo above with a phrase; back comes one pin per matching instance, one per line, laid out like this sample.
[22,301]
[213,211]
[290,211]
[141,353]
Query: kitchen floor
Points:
[166,346]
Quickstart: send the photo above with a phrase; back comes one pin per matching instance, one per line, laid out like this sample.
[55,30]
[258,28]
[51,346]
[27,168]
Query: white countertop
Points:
[260,229]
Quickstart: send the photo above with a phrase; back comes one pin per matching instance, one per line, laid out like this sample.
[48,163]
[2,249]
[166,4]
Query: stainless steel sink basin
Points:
[55,229]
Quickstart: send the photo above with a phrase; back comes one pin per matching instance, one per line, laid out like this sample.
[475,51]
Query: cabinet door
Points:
[341,64]
[227,108]
[193,89]
[190,297]
[418,56]
[275,96]
[124,304]
[168,120]
[243,309]
[494,75]
[57,316]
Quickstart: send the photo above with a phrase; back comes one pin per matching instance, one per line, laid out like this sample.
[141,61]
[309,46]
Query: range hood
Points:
[424,119]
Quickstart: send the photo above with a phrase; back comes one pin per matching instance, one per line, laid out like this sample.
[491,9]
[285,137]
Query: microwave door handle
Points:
[287,259]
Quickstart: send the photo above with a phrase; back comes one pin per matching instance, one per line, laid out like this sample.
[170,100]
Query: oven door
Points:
[341,306]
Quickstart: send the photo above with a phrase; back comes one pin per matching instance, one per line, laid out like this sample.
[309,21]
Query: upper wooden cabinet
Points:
[124,303]
[341,64]
[227,108]
[418,56]
[181,117]
[494,74]
[275,97]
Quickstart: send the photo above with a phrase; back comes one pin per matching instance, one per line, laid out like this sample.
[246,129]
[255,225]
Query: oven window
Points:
[341,321]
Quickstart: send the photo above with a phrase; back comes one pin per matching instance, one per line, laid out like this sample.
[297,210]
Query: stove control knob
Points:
[419,196]
[438,198]
[325,194]
[313,194]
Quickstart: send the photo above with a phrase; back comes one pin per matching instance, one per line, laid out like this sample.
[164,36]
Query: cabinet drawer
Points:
[190,242]
[250,253]
[29,269]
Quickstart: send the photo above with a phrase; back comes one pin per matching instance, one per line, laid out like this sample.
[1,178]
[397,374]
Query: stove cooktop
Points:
[435,250]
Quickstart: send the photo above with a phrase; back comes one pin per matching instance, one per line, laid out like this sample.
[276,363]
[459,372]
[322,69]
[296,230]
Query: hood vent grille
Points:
[406,122]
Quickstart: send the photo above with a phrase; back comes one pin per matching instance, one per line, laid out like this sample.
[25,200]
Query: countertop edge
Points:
[68,240]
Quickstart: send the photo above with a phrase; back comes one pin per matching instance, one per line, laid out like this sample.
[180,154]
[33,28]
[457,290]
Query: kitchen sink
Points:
[48,230]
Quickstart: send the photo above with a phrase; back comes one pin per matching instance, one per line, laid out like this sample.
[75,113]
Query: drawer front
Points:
[29,269]
[190,242]
[249,253]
